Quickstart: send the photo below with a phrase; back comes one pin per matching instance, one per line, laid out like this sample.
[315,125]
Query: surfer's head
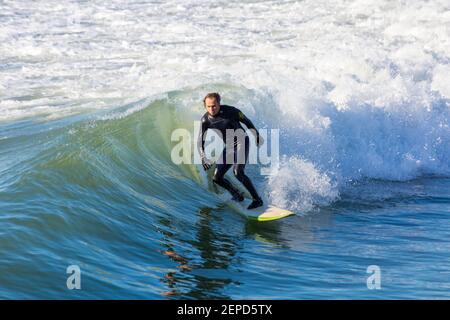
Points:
[212,103]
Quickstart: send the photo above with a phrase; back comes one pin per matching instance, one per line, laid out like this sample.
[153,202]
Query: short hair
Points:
[214,95]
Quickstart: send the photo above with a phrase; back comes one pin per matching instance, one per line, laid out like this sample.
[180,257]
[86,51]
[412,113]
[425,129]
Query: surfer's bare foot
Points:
[255,204]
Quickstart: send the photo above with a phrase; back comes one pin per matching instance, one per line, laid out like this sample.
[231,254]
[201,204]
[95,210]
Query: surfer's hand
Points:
[206,164]
[259,141]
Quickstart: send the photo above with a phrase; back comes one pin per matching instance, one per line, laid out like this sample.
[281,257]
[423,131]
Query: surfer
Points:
[225,120]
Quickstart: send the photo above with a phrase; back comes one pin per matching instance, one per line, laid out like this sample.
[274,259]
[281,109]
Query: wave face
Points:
[90,93]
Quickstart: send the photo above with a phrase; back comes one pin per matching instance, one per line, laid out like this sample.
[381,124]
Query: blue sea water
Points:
[90,98]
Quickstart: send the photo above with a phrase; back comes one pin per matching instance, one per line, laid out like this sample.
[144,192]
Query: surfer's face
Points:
[212,106]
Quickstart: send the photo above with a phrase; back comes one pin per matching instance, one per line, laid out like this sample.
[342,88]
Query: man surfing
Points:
[226,121]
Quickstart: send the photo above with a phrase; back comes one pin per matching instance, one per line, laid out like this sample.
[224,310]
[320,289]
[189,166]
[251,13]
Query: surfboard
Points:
[263,213]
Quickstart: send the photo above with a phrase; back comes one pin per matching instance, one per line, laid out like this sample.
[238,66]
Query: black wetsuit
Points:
[229,117]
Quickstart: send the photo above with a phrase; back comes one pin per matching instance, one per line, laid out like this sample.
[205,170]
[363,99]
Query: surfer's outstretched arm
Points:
[242,118]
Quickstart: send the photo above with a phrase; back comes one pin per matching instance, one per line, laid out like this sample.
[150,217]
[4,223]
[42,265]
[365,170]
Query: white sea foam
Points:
[300,186]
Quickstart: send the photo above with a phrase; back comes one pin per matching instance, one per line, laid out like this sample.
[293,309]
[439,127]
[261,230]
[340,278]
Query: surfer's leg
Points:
[242,177]
[238,170]
[219,179]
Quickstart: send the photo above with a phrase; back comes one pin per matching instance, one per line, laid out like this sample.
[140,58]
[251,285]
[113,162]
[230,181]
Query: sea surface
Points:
[91,93]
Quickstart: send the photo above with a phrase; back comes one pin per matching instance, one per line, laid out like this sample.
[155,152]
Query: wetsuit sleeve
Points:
[242,118]
[201,137]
